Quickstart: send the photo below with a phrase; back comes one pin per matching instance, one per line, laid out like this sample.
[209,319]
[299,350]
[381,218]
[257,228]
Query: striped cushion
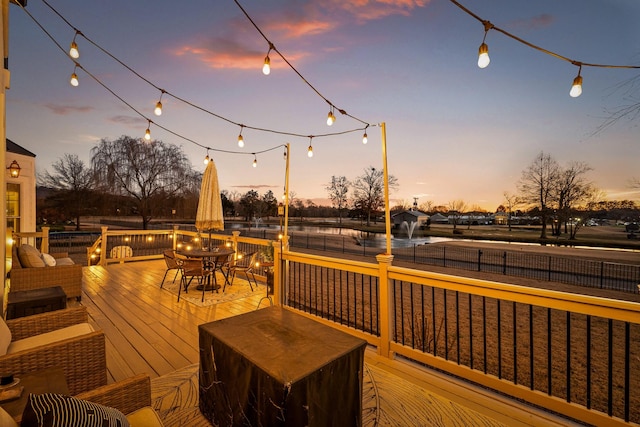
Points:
[57,410]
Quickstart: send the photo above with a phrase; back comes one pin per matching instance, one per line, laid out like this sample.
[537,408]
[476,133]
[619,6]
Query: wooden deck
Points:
[148,331]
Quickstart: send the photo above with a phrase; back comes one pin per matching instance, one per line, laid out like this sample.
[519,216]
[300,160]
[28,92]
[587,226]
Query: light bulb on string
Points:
[576,87]
[310,149]
[147,133]
[206,158]
[255,161]
[483,56]
[158,110]
[266,67]
[73,49]
[483,50]
[240,138]
[330,117]
[365,139]
[74,79]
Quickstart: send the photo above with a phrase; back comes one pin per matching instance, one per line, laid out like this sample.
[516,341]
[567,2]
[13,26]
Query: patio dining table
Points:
[215,258]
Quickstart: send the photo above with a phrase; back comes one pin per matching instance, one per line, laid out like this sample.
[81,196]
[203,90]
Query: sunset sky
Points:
[454,131]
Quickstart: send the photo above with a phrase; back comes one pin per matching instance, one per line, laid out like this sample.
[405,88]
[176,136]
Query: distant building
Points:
[438,218]
[421,218]
[501,218]
[21,189]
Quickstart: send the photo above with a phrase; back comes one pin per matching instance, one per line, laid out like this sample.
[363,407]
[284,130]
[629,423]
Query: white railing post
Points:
[103,246]
[385,306]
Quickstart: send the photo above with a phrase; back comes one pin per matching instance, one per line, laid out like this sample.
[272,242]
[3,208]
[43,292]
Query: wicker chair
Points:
[127,396]
[68,277]
[82,358]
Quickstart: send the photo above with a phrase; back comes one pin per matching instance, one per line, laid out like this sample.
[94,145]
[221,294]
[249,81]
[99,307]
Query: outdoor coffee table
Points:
[50,380]
[35,301]
[274,367]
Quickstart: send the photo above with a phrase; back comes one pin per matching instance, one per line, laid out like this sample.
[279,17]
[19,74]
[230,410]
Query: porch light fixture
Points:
[14,169]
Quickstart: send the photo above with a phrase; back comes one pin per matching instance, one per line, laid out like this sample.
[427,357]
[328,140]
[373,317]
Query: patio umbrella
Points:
[209,215]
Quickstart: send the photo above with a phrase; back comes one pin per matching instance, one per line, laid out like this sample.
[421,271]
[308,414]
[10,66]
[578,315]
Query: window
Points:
[13,206]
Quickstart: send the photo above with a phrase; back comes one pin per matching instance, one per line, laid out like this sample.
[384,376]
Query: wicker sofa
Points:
[65,274]
[131,396]
[82,357]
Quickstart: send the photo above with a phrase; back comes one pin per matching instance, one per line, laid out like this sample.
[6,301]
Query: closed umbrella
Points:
[209,215]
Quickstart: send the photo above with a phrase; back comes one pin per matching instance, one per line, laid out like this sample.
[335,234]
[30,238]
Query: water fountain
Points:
[410,227]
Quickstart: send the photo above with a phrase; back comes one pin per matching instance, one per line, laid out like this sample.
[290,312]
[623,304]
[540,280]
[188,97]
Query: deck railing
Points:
[571,354]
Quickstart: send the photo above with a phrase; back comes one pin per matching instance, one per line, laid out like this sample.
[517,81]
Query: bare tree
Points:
[338,190]
[426,206]
[455,209]
[572,188]
[537,185]
[512,201]
[75,183]
[368,191]
[149,172]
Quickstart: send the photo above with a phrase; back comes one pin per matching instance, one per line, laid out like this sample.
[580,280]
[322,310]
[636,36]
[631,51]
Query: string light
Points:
[74,77]
[158,110]
[266,67]
[330,117]
[147,133]
[73,50]
[255,161]
[576,88]
[206,158]
[365,139]
[240,138]
[483,50]
[310,149]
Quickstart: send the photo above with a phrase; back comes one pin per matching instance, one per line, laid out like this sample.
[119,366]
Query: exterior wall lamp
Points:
[14,169]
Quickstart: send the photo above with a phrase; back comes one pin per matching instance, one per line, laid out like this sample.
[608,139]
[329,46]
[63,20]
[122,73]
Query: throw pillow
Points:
[57,410]
[5,337]
[29,256]
[49,260]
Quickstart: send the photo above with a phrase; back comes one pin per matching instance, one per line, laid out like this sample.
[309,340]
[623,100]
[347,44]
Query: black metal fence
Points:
[583,359]
[574,271]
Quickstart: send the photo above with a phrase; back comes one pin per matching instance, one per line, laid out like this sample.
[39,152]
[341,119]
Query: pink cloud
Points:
[63,110]
[297,24]
[535,22]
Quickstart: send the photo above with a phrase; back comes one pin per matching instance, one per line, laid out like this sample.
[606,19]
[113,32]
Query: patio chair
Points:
[244,264]
[194,268]
[172,264]
[61,338]
[126,400]
[131,396]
